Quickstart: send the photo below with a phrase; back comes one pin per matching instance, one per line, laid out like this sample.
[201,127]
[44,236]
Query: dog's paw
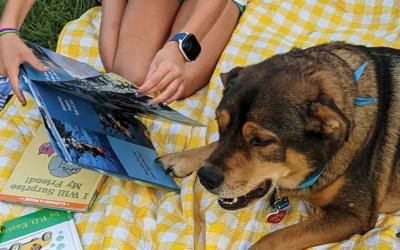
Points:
[180,164]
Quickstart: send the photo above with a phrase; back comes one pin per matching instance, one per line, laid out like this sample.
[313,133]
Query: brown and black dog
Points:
[293,116]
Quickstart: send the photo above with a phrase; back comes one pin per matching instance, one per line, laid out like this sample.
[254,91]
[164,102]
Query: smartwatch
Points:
[188,45]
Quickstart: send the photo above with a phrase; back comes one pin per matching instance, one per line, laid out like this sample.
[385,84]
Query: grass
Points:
[47,17]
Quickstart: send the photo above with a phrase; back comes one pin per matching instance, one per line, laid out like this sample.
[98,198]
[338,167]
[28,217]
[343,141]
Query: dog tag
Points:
[276,216]
[280,208]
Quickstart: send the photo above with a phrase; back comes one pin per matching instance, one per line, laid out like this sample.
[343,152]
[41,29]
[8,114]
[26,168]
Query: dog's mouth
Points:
[242,201]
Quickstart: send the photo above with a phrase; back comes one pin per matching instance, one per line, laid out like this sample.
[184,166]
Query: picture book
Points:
[41,178]
[5,91]
[92,120]
[44,229]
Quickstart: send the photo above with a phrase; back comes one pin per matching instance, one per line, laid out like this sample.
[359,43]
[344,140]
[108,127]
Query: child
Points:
[152,43]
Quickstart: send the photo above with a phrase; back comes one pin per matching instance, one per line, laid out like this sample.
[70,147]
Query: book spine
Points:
[81,207]
[97,191]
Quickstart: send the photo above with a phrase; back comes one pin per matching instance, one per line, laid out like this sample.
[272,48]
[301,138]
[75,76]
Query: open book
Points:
[90,118]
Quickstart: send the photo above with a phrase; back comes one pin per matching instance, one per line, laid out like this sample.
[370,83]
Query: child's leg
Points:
[112,11]
[145,27]
[212,45]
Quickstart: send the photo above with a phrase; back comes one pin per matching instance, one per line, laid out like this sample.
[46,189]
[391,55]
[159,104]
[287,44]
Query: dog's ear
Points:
[228,78]
[325,119]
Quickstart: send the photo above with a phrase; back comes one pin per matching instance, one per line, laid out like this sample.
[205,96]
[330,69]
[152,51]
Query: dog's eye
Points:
[256,141]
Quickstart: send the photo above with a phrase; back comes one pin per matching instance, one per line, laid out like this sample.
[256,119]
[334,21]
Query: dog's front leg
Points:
[184,163]
[325,227]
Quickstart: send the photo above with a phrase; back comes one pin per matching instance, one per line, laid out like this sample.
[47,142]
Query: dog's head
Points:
[278,121]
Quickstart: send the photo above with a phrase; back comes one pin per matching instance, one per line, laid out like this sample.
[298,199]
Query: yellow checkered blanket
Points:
[130,216]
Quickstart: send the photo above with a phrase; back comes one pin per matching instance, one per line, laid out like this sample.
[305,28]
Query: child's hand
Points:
[14,52]
[166,74]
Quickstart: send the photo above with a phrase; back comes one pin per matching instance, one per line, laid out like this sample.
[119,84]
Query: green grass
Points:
[47,17]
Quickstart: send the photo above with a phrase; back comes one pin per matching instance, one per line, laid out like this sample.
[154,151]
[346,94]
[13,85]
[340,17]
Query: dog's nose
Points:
[210,177]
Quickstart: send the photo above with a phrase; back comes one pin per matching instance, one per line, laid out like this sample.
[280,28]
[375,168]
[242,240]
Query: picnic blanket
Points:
[130,216]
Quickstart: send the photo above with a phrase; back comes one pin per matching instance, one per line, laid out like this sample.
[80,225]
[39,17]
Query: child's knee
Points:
[134,72]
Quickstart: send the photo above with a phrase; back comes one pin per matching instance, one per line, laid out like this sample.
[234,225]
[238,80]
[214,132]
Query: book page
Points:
[115,93]
[61,68]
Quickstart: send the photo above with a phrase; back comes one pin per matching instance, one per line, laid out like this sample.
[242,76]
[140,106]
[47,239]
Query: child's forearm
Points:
[204,16]
[15,12]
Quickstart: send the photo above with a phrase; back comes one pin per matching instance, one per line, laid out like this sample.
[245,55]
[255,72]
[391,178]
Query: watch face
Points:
[191,47]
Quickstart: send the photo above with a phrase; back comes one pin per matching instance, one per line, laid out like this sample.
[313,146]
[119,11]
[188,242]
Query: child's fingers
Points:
[167,93]
[161,72]
[171,76]
[13,74]
[176,96]
[146,83]
[32,60]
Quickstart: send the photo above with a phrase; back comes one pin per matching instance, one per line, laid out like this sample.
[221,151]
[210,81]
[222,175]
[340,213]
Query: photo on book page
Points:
[114,92]
[123,126]
[88,148]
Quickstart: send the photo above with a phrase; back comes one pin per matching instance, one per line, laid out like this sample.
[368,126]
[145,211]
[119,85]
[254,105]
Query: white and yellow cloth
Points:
[130,216]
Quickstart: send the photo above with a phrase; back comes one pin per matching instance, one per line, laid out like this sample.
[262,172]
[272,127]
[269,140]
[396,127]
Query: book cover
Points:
[41,178]
[44,229]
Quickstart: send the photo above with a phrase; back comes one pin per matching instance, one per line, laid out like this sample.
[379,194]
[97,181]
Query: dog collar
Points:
[312,179]
[361,101]
[358,73]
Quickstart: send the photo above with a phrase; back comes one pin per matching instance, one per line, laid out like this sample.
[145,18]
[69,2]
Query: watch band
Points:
[179,36]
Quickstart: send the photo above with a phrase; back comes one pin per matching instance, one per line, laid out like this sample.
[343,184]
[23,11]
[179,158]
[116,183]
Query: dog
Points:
[321,124]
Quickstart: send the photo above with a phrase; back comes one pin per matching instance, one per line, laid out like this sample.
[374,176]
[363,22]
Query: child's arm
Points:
[204,16]
[169,60]
[15,12]
[112,12]
[13,51]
